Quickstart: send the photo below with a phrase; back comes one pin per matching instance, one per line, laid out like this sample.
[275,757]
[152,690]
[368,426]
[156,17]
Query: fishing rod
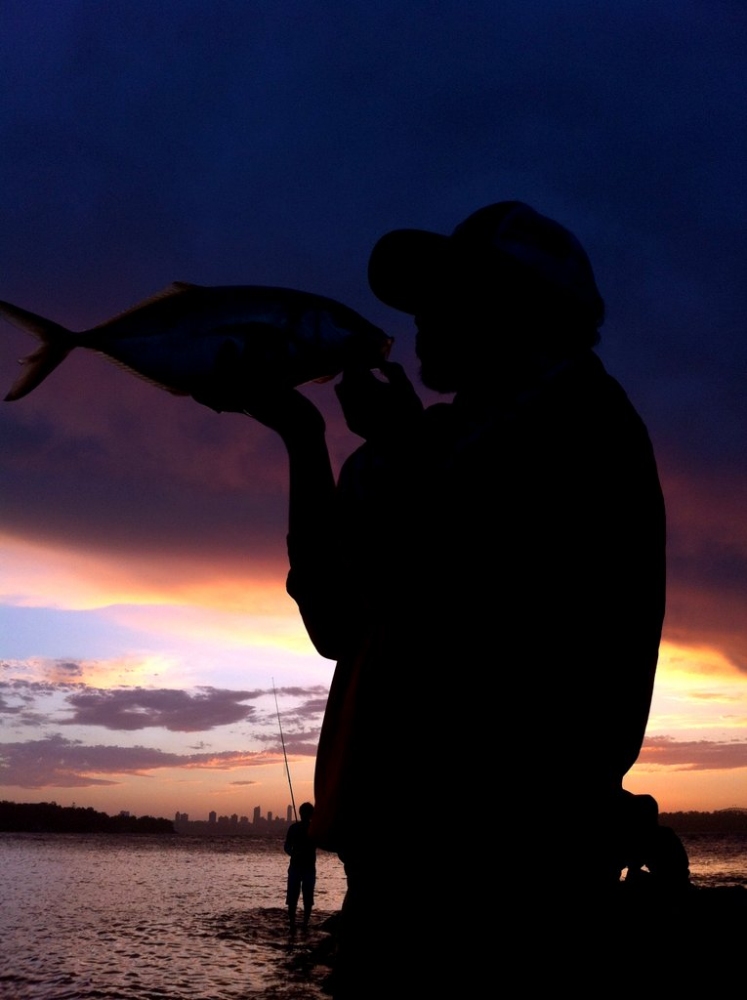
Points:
[285,755]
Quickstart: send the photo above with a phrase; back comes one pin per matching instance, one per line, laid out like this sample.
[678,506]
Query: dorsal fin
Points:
[175,288]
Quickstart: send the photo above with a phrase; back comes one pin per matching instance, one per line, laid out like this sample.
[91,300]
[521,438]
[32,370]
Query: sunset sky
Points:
[144,621]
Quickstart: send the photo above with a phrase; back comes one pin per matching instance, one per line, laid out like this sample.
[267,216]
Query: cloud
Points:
[695,755]
[26,705]
[177,711]
[7,709]
[127,709]
[68,670]
[707,612]
[136,473]
[58,762]
[312,702]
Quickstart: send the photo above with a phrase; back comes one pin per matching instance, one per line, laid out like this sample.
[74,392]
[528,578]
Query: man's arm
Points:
[289,839]
[313,581]
[373,409]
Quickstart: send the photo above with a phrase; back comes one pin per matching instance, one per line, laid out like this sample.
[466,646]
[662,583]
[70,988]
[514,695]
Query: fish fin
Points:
[57,342]
[139,375]
[175,288]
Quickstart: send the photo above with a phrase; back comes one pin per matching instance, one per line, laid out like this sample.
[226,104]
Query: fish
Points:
[186,336]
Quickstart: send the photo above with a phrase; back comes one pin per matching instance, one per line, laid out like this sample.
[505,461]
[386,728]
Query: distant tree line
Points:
[48,817]
[720,821]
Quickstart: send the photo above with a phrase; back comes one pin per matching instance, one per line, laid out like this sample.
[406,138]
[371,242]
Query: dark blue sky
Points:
[241,142]
[273,142]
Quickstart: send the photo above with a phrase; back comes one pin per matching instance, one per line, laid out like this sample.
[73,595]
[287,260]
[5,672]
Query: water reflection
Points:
[128,919]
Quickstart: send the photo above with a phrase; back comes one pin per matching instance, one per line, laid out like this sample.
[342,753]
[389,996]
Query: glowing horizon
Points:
[693,757]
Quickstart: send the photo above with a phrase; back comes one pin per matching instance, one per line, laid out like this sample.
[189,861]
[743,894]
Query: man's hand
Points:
[223,387]
[232,388]
[376,409]
[287,411]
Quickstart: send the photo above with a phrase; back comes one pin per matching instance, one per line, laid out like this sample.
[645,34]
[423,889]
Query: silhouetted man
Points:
[301,849]
[489,575]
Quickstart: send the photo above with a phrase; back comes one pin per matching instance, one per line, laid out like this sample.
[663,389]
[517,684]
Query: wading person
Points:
[301,849]
[488,573]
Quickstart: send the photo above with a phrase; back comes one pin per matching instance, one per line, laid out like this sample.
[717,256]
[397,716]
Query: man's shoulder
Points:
[589,370]
[585,386]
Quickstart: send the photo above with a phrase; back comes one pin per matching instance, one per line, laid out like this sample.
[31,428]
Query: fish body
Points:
[183,337]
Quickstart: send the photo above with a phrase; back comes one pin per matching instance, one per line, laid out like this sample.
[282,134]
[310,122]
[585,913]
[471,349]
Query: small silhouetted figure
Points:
[302,866]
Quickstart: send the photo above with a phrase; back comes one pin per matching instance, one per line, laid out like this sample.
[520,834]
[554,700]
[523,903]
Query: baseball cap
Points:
[407,266]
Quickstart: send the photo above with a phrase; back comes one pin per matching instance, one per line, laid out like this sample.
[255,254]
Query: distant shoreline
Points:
[721,821]
[48,817]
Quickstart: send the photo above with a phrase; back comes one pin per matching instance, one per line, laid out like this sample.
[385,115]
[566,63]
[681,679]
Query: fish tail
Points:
[56,344]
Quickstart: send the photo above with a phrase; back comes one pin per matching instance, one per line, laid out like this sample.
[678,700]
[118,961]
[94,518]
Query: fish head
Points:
[346,339]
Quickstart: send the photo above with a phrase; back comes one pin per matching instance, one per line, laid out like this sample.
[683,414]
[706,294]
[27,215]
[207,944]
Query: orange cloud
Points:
[33,574]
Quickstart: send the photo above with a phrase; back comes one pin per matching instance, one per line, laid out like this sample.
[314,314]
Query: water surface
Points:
[130,918]
[115,917]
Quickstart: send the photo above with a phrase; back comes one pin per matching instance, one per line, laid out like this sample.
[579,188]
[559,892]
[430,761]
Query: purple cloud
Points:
[58,762]
[140,708]
[695,755]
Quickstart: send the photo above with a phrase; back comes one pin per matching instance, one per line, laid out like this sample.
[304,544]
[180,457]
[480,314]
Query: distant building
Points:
[235,825]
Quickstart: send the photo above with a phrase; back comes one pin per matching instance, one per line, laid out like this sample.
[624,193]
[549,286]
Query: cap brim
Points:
[406,265]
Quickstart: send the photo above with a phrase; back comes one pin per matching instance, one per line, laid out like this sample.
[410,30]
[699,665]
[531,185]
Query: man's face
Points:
[453,341]
[434,347]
